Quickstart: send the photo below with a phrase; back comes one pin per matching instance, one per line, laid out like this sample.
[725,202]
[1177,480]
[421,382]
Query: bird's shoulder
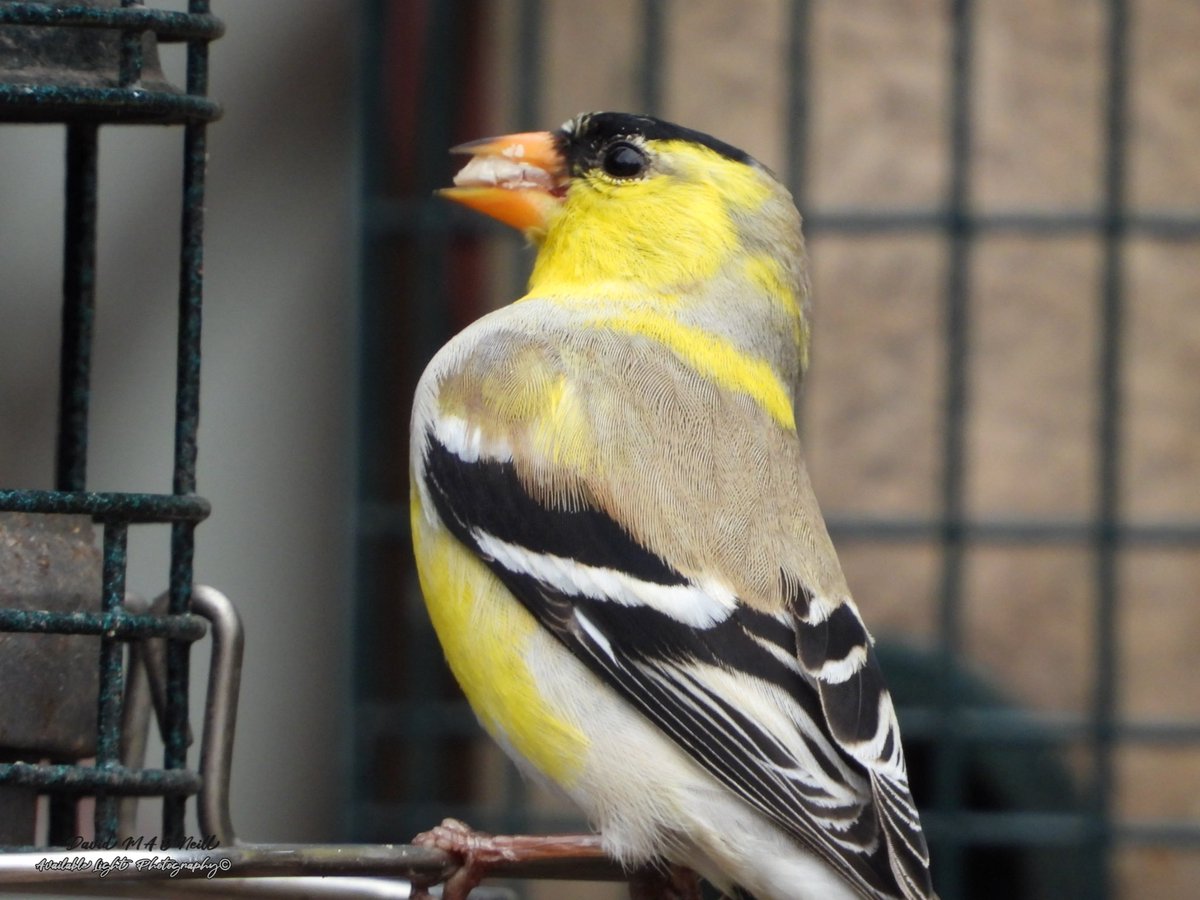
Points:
[697,472]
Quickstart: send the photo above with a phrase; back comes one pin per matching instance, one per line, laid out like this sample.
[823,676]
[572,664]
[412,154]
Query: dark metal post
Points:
[653,59]
[529,75]
[79,305]
[948,786]
[187,418]
[1108,486]
[795,132]
[112,677]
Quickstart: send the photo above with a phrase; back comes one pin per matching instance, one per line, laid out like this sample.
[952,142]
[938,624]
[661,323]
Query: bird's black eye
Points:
[624,160]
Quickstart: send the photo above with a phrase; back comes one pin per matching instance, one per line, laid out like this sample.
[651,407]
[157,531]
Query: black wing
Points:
[658,639]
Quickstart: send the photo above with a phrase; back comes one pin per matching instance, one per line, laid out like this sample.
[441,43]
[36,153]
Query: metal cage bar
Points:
[1108,441]
[79,306]
[187,419]
[949,788]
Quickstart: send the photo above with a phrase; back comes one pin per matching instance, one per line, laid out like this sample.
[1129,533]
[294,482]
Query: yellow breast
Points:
[484,633]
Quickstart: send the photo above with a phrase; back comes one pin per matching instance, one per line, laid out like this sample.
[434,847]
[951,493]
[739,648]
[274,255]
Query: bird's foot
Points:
[668,882]
[481,853]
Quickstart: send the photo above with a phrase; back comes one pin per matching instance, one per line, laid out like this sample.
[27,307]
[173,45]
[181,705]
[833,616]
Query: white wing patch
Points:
[688,604]
[836,671]
[467,442]
[870,752]
[777,714]
[821,608]
[595,634]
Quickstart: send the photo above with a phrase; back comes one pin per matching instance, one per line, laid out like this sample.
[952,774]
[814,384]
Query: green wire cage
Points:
[88,65]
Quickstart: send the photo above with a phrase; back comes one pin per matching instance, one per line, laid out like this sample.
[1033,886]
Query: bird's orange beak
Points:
[520,179]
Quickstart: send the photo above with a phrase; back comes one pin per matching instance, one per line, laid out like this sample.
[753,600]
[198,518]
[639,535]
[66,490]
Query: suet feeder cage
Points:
[81,662]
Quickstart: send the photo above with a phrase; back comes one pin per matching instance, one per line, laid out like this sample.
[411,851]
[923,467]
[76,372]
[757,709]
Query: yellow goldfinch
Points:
[616,535]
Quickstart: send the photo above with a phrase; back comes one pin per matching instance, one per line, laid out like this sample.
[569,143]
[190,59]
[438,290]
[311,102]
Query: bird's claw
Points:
[477,850]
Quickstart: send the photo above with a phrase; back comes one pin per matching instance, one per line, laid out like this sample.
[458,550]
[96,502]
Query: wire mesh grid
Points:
[39,39]
[426,75]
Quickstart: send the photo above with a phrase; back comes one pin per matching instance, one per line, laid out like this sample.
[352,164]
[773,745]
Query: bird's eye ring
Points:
[624,160]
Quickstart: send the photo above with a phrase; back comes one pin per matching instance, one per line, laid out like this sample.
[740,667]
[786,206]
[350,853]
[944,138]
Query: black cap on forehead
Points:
[584,135]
